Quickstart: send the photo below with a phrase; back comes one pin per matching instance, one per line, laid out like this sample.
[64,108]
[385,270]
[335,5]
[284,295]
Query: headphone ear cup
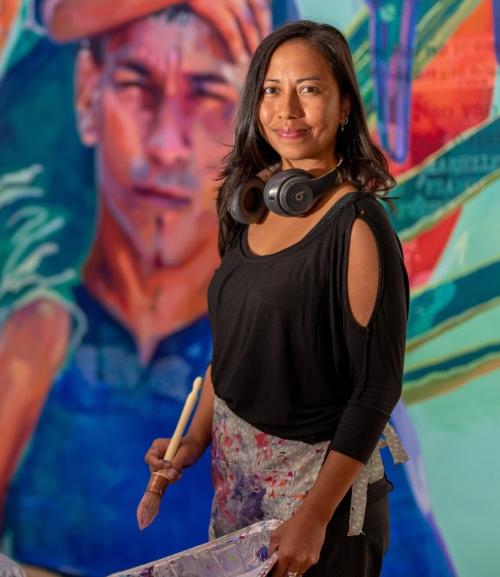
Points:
[246,205]
[281,189]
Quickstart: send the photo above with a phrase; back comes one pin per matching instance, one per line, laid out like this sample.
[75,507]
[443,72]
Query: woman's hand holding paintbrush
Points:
[187,454]
[166,458]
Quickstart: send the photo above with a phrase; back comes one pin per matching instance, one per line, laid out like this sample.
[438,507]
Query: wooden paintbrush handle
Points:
[158,482]
[183,420]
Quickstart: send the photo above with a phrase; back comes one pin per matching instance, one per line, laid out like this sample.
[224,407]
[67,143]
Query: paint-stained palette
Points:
[243,553]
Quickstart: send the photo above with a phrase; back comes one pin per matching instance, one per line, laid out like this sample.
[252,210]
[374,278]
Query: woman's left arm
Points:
[301,538]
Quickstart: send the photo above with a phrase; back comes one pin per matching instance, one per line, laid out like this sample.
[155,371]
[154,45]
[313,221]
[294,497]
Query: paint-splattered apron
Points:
[257,476]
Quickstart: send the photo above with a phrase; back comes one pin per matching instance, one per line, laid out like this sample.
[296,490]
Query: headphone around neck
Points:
[291,192]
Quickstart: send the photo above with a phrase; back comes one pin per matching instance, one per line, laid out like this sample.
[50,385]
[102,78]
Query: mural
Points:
[103,240]
[110,143]
[446,162]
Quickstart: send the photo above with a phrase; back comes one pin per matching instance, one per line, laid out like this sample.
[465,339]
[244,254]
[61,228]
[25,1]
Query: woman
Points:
[308,317]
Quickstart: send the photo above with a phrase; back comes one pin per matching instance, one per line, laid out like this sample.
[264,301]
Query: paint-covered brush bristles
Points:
[149,506]
[150,503]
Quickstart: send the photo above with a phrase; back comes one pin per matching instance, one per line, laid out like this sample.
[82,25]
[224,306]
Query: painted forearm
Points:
[72,19]
[28,366]
[242,24]
[18,415]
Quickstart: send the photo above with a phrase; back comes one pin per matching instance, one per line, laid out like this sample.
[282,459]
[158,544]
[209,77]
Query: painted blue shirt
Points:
[72,505]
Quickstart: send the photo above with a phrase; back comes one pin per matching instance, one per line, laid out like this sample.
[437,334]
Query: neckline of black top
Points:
[334,211]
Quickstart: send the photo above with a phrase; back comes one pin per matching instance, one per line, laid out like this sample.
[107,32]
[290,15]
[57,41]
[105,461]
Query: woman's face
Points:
[301,107]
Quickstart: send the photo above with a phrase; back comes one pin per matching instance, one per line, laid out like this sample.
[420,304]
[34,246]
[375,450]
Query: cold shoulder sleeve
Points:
[371,355]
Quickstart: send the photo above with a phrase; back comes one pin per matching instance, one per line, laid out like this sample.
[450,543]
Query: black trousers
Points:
[358,556]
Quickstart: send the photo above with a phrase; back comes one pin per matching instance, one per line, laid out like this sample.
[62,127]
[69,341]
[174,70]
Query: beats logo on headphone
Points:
[291,192]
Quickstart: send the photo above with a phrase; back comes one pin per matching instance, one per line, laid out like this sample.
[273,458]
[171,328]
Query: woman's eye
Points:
[308,89]
[270,90]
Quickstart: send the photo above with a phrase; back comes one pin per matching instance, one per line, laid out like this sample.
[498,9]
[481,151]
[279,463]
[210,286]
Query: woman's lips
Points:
[291,134]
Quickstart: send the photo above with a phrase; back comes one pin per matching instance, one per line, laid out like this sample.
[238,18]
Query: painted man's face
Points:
[162,112]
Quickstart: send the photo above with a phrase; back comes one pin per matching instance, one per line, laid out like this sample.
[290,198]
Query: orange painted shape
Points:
[454,91]
[423,252]
[8,14]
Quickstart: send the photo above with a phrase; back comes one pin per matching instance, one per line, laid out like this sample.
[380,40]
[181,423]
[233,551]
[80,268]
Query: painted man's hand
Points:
[242,23]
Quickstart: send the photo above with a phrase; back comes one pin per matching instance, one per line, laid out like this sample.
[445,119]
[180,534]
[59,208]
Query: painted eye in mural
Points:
[214,87]
[134,80]
[126,79]
[124,84]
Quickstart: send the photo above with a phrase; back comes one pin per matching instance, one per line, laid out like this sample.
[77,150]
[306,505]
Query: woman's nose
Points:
[289,105]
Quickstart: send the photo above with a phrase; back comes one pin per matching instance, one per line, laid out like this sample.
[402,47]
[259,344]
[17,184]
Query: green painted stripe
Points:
[436,306]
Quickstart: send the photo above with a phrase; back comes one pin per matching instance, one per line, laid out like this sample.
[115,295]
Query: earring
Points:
[344,123]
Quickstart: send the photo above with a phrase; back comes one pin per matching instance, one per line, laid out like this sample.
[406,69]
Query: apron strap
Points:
[373,471]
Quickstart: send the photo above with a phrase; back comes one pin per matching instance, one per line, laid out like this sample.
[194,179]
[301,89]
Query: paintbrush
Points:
[150,503]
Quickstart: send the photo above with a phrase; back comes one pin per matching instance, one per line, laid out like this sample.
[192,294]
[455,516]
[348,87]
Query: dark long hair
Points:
[364,164]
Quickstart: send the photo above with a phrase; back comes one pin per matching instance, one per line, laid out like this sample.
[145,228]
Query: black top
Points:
[289,358]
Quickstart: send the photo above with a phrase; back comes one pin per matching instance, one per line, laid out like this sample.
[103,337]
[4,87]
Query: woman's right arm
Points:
[193,444]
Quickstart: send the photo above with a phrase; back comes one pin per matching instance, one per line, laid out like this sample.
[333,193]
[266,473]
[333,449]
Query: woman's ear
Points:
[345,107]
[87,77]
